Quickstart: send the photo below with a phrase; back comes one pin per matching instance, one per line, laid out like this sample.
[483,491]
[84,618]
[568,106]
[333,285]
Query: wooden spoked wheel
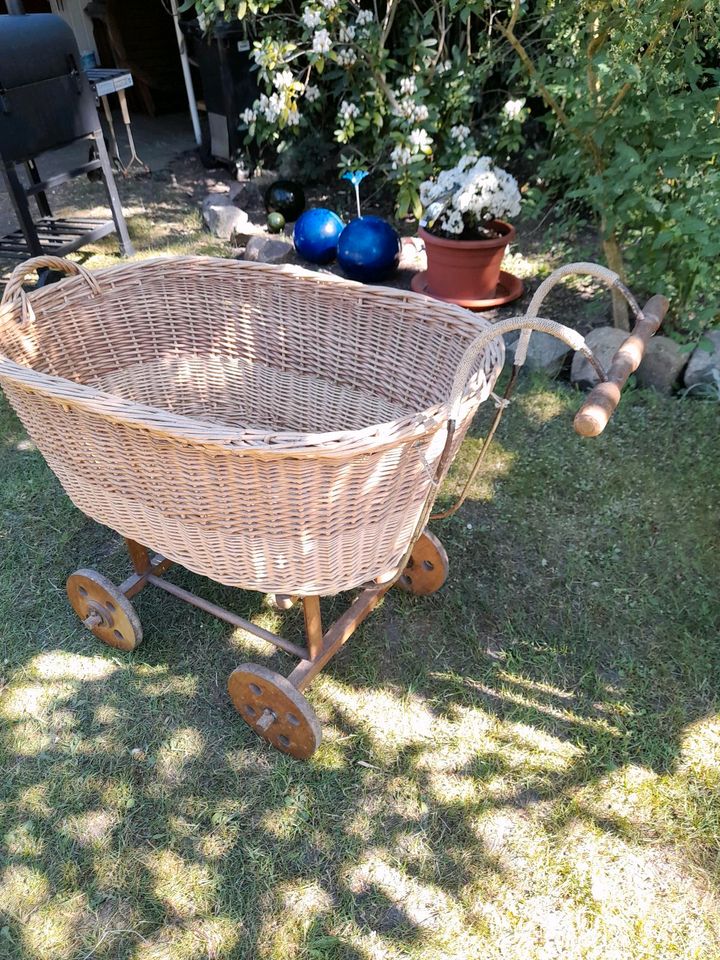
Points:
[428,566]
[104,610]
[275,710]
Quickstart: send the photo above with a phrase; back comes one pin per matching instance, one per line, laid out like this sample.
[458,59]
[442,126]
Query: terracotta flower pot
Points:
[466,270]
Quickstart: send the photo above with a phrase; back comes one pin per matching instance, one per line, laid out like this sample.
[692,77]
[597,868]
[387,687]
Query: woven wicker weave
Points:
[271,428]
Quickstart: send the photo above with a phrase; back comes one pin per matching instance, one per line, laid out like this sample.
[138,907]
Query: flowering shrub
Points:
[461,202]
[393,97]
[608,109]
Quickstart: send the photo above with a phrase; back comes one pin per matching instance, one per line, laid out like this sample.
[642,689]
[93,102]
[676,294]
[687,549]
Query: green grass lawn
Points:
[525,765]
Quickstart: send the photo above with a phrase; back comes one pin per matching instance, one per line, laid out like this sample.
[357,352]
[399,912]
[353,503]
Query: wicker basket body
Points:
[270,428]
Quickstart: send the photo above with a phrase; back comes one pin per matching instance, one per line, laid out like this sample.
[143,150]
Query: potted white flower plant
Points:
[465,234]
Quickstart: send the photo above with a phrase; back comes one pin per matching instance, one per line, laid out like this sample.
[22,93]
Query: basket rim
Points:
[192,430]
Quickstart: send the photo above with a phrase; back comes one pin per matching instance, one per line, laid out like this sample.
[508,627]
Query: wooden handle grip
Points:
[592,417]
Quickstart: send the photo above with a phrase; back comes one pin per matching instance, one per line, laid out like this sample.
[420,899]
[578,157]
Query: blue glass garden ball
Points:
[316,235]
[285,197]
[368,249]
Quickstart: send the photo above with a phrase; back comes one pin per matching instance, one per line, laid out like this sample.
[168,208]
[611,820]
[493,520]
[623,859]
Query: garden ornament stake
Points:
[277,439]
[356,177]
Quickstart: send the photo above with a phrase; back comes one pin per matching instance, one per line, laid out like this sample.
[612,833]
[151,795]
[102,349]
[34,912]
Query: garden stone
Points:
[222,217]
[246,194]
[661,365]
[544,353]
[704,366]
[247,231]
[269,250]
[604,343]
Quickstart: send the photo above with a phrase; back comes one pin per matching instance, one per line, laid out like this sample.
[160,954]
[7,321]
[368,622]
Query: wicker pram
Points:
[270,428]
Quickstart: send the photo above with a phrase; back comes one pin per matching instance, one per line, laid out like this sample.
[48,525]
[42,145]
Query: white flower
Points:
[248,116]
[408,85]
[311,18]
[407,108]
[401,156]
[444,67]
[269,107]
[259,56]
[421,140]
[513,108]
[346,57]
[321,41]
[347,33]
[460,133]
[473,191]
[329,4]
[453,222]
[364,17]
[348,111]
[293,117]
[283,79]
[312,93]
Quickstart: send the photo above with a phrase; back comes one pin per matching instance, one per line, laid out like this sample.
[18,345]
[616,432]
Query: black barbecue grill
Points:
[46,102]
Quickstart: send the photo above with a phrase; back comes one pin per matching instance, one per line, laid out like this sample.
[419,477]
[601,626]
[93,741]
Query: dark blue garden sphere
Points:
[316,235]
[368,249]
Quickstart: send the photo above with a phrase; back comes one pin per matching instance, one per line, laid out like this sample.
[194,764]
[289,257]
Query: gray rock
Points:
[222,217]
[245,194]
[661,365]
[604,342]
[247,231]
[544,353]
[269,250]
[704,365]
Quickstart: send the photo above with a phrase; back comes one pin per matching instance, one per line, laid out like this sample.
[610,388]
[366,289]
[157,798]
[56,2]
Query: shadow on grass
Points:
[487,750]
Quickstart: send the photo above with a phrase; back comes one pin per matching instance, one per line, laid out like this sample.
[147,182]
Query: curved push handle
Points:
[525,323]
[13,288]
[592,417]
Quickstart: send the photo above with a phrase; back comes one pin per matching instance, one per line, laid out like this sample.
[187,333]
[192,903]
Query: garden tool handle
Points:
[13,289]
[593,416]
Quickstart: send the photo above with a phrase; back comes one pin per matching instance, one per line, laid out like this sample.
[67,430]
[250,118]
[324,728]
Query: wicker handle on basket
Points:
[14,285]
[592,417]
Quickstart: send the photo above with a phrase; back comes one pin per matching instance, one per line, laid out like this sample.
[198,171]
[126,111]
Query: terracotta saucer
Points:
[509,288]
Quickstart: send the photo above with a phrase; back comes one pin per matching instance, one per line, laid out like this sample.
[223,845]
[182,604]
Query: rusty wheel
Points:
[427,569]
[104,610]
[275,710]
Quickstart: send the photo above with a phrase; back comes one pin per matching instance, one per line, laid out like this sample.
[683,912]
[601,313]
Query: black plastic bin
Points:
[229,86]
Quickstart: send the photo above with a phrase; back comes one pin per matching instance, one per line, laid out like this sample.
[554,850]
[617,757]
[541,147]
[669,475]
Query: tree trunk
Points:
[613,255]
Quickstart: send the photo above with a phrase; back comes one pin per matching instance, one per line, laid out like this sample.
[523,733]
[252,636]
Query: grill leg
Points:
[40,198]
[126,247]
[22,209]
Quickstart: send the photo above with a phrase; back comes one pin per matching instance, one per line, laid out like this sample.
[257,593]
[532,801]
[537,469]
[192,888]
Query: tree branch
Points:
[532,71]
[653,44]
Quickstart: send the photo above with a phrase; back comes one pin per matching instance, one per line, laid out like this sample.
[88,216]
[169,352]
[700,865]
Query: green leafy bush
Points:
[612,106]
[631,93]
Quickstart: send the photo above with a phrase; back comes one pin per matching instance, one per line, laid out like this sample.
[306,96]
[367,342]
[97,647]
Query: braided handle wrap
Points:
[14,285]
[608,277]
[526,324]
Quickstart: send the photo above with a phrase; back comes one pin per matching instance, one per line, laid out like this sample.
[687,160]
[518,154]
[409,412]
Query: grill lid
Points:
[35,47]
